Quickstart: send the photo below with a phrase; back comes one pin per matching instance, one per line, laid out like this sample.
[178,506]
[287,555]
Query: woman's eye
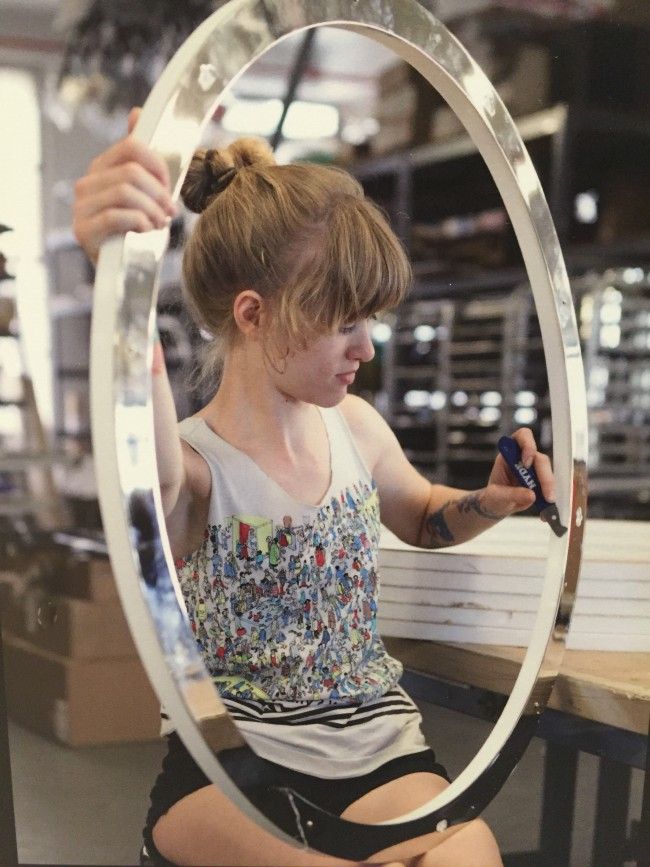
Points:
[346,329]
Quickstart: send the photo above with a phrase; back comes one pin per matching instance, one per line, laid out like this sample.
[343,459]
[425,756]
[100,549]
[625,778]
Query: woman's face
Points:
[322,373]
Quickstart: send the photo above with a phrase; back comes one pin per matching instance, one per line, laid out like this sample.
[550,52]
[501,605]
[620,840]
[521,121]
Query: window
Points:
[21,209]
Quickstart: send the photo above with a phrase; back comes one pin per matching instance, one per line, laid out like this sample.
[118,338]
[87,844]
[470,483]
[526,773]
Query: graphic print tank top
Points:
[282,599]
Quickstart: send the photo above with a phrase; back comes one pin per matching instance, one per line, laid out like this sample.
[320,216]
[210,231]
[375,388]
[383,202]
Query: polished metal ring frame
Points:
[172,123]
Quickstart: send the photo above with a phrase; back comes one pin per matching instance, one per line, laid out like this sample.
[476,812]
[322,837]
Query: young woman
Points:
[273,492]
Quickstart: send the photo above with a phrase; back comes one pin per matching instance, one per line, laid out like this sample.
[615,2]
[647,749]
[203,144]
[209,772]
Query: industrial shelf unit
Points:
[465,363]
[614,318]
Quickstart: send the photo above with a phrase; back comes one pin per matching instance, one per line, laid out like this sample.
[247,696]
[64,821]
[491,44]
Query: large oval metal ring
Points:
[180,105]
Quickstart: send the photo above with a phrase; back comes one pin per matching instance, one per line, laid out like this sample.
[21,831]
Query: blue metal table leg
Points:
[643,841]
[610,831]
[560,772]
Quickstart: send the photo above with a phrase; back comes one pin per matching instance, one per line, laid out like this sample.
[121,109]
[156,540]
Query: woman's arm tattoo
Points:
[472,503]
[439,533]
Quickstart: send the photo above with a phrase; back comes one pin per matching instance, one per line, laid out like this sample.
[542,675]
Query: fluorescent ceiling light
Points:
[261,117]
[381,332]
[311,120]
[252,116]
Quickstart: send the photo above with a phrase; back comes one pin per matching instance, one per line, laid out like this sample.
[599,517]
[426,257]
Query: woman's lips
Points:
[346,378]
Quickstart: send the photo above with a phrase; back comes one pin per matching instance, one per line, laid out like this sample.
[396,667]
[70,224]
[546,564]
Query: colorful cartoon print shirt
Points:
[282,596]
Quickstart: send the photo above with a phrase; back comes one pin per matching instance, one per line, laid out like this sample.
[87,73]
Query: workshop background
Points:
[459,364]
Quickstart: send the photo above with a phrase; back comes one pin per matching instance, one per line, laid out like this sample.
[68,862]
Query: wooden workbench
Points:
[600,704]
[609,687]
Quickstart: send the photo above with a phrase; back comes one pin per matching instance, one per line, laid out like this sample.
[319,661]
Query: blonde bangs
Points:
[304,237]
[352,267]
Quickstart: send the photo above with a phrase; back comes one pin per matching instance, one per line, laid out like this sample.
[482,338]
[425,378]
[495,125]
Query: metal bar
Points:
[533,126]
[561,176]
[403,200]
[557,727]
[612,804]
[297,73]
[588,736]
[473,701]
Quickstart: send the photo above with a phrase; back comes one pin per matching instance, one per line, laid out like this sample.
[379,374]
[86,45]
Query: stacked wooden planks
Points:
[486,591]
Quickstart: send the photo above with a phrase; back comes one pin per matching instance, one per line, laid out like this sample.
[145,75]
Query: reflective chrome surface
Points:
[172,123]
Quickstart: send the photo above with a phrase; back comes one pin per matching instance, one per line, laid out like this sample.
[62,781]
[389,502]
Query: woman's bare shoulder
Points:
[197,472]
[356,410]
[366,425]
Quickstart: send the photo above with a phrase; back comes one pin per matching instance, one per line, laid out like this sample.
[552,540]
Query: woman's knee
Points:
[471,844]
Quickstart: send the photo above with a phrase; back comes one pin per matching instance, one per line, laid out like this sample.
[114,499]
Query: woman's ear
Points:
[247,311]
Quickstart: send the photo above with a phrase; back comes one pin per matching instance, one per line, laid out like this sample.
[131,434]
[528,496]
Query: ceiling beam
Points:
[297,72]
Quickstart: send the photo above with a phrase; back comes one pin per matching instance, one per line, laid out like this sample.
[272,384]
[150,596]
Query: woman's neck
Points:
[248,409]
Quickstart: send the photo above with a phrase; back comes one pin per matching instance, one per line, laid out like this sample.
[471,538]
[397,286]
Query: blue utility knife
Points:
[527,478]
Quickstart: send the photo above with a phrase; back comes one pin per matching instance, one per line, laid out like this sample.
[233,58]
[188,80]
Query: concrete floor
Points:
[87,806]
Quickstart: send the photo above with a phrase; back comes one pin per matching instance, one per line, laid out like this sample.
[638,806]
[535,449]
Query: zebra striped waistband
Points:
[394,702]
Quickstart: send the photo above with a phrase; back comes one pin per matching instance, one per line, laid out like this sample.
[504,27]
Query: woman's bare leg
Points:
[206,828]
[471,844]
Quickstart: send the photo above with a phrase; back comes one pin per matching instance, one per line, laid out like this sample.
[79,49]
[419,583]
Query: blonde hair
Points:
[303,236]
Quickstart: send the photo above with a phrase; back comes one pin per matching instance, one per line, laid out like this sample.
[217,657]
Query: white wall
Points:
[30,42]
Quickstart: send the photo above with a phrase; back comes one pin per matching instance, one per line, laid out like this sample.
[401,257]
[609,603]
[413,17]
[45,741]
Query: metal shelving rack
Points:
[420,422]
[488,361]
[477,344]
[615,326]
[27,488]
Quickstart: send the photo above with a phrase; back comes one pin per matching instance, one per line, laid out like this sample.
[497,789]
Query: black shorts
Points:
[180,776]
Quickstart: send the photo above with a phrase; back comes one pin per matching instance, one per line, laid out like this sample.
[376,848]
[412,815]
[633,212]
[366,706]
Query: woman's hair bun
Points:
[211,170]
[251,152]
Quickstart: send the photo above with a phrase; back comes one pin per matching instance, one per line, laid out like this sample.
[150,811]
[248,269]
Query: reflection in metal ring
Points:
[179,107]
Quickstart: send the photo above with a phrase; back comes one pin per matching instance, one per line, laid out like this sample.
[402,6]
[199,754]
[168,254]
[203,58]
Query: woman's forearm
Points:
[454,516]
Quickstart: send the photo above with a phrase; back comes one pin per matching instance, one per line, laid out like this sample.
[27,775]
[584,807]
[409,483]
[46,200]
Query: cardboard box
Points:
[10,585]
[73,627]
[85,577]
[12,589]
[79,702]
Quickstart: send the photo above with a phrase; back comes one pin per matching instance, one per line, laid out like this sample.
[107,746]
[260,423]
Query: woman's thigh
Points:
[471,843]
[395,798]
[205,828]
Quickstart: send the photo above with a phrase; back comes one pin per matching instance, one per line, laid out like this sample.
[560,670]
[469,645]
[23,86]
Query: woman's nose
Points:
[362,349]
